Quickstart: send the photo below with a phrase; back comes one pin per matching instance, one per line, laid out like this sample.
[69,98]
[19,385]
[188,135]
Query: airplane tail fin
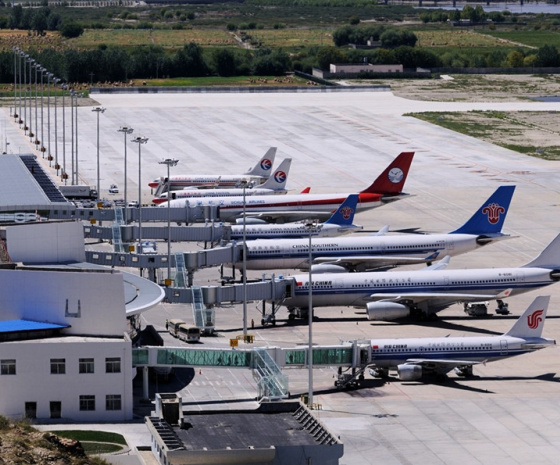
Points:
[548,258]
[344,215]
[306,190]
[264,166]
[490,217]
[278,179]
[531,322]
[391,181]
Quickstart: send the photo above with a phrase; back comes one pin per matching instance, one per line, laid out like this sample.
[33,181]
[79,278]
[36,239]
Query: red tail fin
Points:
[392,180]
[306,190]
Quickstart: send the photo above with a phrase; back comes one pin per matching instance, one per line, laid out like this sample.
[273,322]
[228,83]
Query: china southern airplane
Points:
[415,357]
[292,207]
[256,175]
[390,295]
[341,222]
[275,184]
[380,251]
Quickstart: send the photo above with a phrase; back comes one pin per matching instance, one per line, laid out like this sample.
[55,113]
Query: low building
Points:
[356,68]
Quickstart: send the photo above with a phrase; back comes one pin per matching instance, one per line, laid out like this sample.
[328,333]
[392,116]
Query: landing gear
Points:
[464,371]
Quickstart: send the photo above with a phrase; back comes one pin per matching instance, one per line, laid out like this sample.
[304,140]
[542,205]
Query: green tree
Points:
[547,56]
[515,59]
[224,62]
[71,30]
[328,55]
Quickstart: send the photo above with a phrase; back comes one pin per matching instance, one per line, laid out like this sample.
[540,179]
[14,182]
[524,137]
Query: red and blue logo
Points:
[493,212]
[534,319]
[280,176]
[346,212]
[266,164]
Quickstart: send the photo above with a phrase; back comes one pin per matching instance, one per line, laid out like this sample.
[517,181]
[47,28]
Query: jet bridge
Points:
[266,363]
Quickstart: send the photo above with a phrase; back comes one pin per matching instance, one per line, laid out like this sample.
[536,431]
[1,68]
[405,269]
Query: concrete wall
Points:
[33,381]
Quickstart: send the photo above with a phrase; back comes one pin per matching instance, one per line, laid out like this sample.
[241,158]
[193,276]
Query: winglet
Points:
[391,181]
[531,323]
[277,181]
[439,265]
[490,217]
[344,215]
[264,166]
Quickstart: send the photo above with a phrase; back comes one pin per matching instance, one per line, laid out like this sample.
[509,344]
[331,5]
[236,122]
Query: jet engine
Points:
[250,221]
[386,311]
[328,268]
[409,372]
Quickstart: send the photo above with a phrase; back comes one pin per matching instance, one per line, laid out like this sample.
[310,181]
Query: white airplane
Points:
[390,295]
[369,252]
[292,207]
[255,175]
[341,222]
[275,184]
[415,357]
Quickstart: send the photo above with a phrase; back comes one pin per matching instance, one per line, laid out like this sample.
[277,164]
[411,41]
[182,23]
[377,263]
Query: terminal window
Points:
[7,367]
[113,365]
[113,402]
[87,403]
[86,365]
[58,366]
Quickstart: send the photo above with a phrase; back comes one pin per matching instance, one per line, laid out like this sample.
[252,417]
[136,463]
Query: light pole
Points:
[42,70]
[36,98]
[30,61]
[56,164]
[15,49]
[64,173]
[49,156]
[140,140]
[244,183]
[72,167]
[169,162]
[310,225]
[126,131]
[99,110]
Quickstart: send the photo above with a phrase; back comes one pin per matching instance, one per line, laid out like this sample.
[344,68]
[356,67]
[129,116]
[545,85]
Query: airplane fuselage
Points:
[180,182]
[196,193]
[320,205]
[288,230]
[294,253]
[432,290]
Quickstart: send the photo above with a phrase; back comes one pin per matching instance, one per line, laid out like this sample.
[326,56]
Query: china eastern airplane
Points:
[276,184]
[255,175]
[380,251]
[415,357]
[341,222]
[390,295]
[292,207]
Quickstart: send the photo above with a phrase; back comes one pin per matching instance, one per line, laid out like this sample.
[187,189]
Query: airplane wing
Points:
[440,366]
[370,262]
[438,299]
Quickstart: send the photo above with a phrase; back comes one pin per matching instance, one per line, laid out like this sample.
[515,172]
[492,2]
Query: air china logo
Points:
[493,211]
[534,319]
[266,164]
[279,176]
[346,212]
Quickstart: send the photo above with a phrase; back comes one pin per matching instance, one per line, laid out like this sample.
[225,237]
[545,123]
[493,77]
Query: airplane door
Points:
[520,277]
[449,244]
[503,347]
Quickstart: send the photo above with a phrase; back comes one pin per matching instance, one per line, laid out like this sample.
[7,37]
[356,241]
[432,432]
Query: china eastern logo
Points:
[534,319]
[279,176]
[346,212]
[266,164]
[493,212]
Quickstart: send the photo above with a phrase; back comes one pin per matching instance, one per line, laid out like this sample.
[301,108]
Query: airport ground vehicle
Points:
[78,192]
[188,333]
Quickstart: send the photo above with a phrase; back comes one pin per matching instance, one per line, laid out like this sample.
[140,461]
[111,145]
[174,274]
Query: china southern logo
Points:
[493,212]
[279,176]
[346,212]
[534,319]
[266,164]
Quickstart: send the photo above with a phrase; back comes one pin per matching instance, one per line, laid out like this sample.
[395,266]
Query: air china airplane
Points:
[415,357]
[256,175]
[292,207]
[339,223]
[371,252]
[390,295]
[276,184]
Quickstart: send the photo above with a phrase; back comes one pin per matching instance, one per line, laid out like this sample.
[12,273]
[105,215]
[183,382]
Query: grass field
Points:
[458,38]
[529,38]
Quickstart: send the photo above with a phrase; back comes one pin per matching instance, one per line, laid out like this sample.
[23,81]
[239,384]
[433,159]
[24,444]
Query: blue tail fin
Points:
[490,217]
[344,215]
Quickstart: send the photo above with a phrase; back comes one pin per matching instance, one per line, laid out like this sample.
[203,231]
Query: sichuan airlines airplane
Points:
[415,357]
[256,175]
[341,222]
[371,252]
[292,207]
[390,295]
[276,184]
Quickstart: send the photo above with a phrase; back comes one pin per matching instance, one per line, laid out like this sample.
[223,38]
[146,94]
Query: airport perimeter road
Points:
[510,411]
